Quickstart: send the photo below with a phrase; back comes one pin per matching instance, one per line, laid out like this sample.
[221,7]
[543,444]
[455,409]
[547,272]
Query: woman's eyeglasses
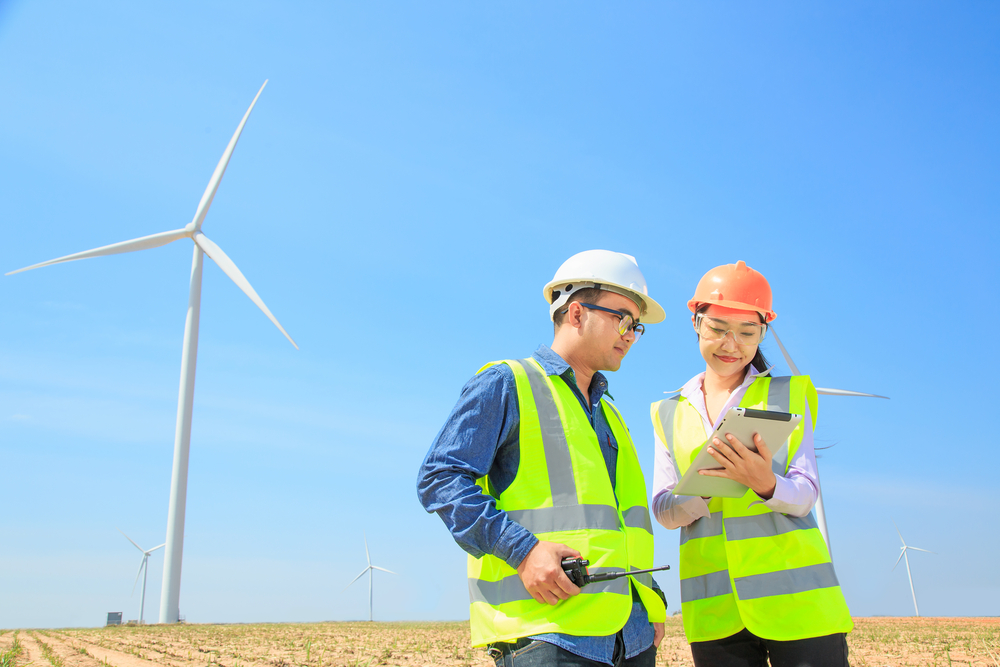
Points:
[715,328]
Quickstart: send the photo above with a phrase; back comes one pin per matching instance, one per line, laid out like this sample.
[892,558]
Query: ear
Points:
[574,316]
[692,322]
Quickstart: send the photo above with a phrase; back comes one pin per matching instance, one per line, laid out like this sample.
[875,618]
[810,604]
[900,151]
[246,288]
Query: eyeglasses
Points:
[625,321]
[715,328]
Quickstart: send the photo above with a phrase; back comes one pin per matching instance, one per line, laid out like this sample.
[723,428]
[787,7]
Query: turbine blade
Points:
[220,169]
[231,270]
[383,569]
[155,548]
[143,243]
[902,550]
[367,555]
[137,576]
[924,550]
[784,352]
[131,540]
[845,392]
[357,577]
[899,533]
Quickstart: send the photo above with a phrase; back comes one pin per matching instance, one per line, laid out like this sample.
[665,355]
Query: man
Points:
[534,465]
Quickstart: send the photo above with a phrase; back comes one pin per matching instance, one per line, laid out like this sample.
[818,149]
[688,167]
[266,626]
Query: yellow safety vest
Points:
[562,493]
[746,566]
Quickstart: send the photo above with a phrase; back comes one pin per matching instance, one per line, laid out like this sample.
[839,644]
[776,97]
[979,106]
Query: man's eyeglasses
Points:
[625,321]
[714,328]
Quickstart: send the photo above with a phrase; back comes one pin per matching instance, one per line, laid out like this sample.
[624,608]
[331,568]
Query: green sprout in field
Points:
[9,657]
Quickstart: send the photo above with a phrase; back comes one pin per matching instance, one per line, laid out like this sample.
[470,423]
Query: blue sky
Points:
[410,178]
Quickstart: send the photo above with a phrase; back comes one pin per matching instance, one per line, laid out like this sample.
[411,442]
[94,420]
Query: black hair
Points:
[758,361]
[588,294]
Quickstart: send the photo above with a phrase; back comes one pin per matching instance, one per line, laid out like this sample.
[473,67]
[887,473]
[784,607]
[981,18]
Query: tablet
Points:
[774,427]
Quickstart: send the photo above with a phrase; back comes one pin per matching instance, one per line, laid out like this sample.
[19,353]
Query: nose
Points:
[729,341]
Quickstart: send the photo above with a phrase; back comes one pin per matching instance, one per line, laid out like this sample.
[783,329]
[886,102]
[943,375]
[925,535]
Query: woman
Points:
[757,582]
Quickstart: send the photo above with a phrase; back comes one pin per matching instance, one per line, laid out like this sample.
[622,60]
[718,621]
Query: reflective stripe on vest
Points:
[511,589]
[638,517]
[708,526]
[570,517]
[752,568]
[557,455]
[562,493]
[746,527]
[706,586]
[779,394]
[786,582]
[766,525]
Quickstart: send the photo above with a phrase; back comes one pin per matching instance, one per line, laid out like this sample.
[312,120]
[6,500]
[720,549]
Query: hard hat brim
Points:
[769,315]
[653,312]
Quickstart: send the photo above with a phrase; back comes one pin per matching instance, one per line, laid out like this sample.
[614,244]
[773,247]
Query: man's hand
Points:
[658,633]
[542,574]
[744,465]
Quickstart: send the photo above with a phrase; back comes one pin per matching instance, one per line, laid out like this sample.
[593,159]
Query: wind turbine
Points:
[371,576]
[820,512]
[170,594]
[902,554]
[143,570]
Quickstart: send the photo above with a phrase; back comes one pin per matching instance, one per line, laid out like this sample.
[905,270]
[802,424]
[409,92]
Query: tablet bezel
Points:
[774,427]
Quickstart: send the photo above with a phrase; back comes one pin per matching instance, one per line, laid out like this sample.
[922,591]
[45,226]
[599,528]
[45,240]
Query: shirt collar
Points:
[695,384]
[553,364]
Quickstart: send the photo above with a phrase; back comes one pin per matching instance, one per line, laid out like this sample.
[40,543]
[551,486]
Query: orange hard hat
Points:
[734,286]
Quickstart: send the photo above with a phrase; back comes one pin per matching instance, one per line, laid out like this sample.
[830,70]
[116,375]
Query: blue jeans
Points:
[536,653]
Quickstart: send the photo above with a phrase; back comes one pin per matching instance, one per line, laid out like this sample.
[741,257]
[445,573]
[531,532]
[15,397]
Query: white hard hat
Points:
[603,269]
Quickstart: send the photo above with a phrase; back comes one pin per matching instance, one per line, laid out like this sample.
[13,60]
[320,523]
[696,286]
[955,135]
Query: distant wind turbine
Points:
[170,595]
[371,575]
[820,512]
[902,554]
[143,570]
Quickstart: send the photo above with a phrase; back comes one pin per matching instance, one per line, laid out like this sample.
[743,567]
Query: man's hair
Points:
[587,295]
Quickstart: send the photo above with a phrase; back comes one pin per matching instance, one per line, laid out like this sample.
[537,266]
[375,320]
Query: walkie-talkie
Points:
[576,570]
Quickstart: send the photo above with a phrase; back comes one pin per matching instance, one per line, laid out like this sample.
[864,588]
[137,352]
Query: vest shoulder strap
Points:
[663,413]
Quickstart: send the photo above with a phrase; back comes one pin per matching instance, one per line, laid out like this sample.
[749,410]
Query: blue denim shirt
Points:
[480,438]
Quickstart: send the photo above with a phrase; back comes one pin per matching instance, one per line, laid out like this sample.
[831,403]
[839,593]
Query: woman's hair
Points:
[758,361]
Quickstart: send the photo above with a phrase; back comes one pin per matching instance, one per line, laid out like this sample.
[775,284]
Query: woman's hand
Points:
[744,465]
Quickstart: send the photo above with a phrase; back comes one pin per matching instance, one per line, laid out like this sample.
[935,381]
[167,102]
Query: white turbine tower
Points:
[371,576]
[170,594]
[820,512]
[902,555]
[143,570]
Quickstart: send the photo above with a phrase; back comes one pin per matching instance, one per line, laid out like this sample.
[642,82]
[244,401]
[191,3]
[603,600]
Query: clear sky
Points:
[411,177]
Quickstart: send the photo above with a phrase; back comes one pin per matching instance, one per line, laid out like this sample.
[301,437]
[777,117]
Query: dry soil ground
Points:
[875,642]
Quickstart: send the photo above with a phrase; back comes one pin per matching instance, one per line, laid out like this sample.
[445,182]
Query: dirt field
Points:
[876,642]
